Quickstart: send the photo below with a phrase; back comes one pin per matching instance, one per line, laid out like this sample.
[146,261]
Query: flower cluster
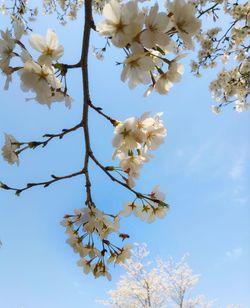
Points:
[133,139]
[65,9]
[89,227]
[165,284]
[232,86]
[8,43]
[19,11]
[228,45]
[150,208]
[146,38]
[38,76]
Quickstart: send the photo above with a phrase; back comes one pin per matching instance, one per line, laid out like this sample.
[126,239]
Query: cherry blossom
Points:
[39,79]
[184,20]
[9,149]
[156,27]
[122,22]
[49,47]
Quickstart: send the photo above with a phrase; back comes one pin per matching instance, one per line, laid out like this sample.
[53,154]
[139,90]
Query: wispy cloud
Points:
[239,195]
[199,154]
[204,158]
[238,168]
[235,253]
[78,287]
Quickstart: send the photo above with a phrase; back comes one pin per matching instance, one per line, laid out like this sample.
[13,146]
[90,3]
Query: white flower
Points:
[157,194]
[60,96]
[160,208]
[155,132]
[124,137]
[18,29]
[156,26]
[39,79]
[241,106]
[75,241]
[25,56]
[49,47]
[124,254]
[85,265]
[128,208]
[143,211]
[7,72]
[9,148]
[98,53]
[161,211]
[149,90]
[157,212]
[131,164]
[216,109]
[184,20]
[225,58]
[166,80]
[7,44]
[130,182]
[176,70]
[163,84]
[91,251]
[133,139]
[137,69]
[123,22]
[101,270]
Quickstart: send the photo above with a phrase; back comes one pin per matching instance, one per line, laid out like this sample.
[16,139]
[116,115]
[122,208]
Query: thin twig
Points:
[99,110]
[114,179]
[44,184]
[34,144]
[62,134]
[207,10]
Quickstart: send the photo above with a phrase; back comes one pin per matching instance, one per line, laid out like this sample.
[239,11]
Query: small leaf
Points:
[160,50]
[4,186]
[33,144]
[163,204]
[18,193]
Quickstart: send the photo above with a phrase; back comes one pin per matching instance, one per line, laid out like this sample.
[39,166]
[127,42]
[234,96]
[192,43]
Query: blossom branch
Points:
[210,9]
[114,179]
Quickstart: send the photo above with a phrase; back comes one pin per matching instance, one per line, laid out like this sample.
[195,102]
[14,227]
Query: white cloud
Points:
[234,254]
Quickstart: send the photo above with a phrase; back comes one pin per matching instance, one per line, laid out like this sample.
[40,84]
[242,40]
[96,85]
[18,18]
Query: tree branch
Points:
[86,97]
[99,110]
[207,10]
[114,179]
[34,144]
[44,184]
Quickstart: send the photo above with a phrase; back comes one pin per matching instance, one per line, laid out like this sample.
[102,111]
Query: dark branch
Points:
[44,184]
[86,97]
[99,110]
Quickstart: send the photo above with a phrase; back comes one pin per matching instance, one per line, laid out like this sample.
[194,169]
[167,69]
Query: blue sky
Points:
[203,167]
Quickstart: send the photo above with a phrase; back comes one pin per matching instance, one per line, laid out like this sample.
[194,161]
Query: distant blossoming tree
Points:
[154,41]
[166,284]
